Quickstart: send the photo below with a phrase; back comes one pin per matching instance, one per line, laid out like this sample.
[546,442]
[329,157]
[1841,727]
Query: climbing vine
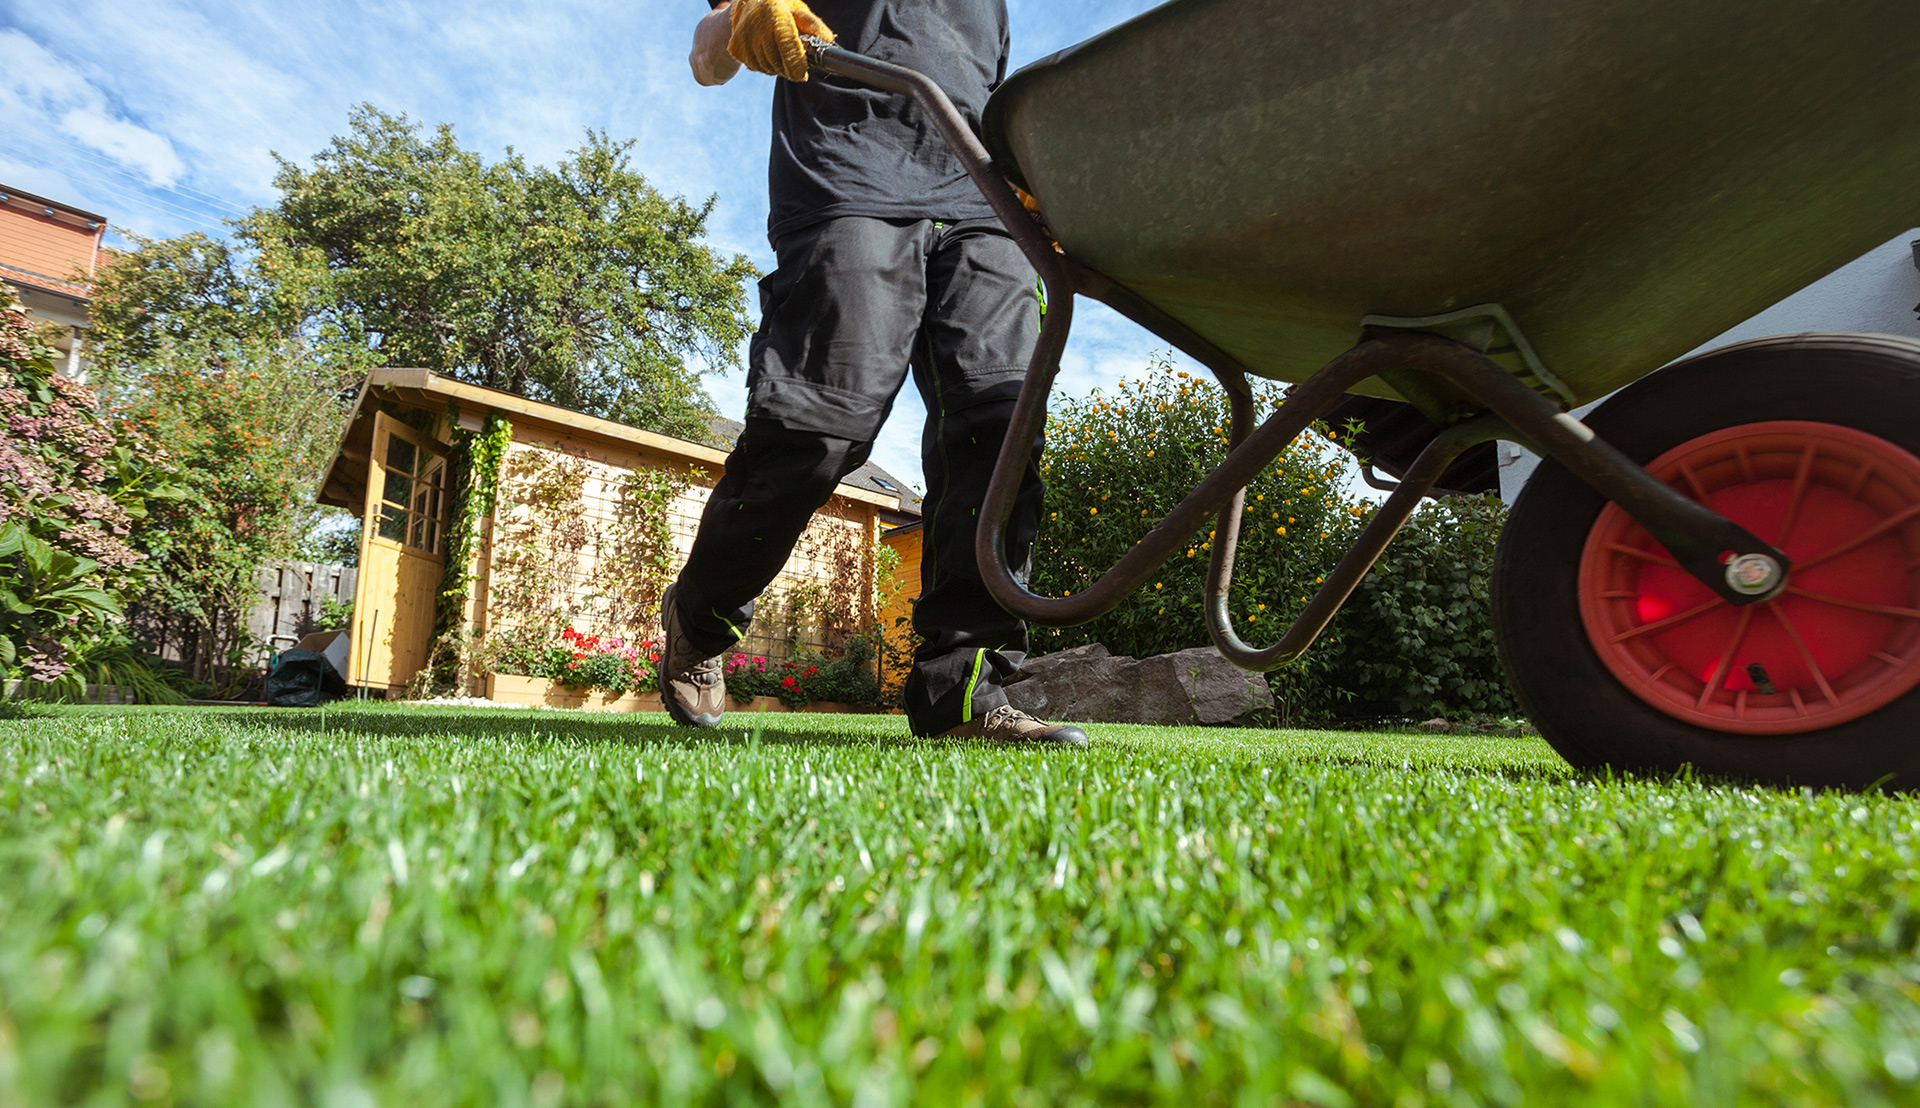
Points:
[473,472]
[538,540]
[638,562]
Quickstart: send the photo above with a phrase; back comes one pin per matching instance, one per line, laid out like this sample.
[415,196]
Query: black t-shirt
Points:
[842,149]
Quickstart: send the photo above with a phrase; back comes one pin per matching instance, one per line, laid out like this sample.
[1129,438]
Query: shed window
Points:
[413,497]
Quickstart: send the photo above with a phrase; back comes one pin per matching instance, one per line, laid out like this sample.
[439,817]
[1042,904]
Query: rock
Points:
[1435,724]
[1047,663]
[1090,685]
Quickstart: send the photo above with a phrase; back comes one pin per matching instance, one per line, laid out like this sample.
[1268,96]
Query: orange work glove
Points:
[766,36]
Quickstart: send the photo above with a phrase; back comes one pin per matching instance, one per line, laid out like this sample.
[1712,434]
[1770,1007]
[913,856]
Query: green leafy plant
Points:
[849,677]
[75,482]
[1416,638]
[335,615]
[48,597]
[612,665]
[568,657]
[1115,465]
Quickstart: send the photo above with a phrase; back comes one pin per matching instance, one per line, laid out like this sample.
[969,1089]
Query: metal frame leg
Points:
[1345,577]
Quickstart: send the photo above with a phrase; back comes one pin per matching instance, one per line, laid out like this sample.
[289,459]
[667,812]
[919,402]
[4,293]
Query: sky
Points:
[164,115]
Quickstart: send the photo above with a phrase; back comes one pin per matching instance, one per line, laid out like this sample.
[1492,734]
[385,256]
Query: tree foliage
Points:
[203,352]
[1116,465]
[580,285]
[1416,638]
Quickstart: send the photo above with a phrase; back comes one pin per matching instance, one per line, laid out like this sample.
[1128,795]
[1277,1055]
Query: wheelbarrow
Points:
[1494,211]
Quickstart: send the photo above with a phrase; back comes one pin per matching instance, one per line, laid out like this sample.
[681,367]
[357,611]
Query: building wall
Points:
[57,247]
[569,543]
[50,260]
[906,543]
[1877,292]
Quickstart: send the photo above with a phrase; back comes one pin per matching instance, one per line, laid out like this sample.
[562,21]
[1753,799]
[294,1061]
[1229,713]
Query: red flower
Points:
[790,683]
[811,670]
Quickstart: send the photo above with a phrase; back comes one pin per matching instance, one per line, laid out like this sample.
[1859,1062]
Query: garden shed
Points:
[492,525]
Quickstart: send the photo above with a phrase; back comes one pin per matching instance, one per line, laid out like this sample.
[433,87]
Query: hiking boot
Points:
[1008,724]
[692,686]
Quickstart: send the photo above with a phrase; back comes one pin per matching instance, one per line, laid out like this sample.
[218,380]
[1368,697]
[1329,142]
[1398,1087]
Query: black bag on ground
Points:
[303,679]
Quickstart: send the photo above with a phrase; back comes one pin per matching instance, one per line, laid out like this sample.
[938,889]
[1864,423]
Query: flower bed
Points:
[540,692]
[612,675]
[851,678]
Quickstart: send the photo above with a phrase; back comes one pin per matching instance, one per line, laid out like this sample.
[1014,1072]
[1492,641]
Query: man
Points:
[888,259]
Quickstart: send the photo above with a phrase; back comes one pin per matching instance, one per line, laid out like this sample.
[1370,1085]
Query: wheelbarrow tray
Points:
[1627,178]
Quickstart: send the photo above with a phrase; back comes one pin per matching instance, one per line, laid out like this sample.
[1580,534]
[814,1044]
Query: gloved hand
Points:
[766,36]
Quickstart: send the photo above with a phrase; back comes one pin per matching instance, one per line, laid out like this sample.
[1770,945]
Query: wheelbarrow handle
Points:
[966,146]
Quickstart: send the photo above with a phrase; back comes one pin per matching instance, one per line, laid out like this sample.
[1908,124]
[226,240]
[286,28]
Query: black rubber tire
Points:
[1867,382]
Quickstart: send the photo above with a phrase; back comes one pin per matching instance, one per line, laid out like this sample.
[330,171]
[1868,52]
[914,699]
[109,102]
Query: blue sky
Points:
[163,115]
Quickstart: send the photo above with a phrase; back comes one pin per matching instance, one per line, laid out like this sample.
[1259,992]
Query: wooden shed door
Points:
[403,550]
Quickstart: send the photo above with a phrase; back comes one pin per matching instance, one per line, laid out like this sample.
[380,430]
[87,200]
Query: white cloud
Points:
[137,147]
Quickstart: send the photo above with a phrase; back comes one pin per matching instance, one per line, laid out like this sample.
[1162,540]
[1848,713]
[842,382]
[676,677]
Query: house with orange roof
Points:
[49,253]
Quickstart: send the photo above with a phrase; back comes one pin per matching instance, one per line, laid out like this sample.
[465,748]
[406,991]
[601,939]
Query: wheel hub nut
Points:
[1753,574]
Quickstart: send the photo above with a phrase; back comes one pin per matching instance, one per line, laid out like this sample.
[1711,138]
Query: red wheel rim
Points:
[1844,637]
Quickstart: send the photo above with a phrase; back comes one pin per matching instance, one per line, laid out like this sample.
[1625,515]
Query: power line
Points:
[41,158]
[125,190]
[185,192]
[198,219]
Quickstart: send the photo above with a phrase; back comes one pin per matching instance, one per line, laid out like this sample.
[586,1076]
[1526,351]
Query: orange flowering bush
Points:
[1117,464]
[1415,639]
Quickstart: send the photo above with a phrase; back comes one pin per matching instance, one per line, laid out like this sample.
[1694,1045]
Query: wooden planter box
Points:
[540,692]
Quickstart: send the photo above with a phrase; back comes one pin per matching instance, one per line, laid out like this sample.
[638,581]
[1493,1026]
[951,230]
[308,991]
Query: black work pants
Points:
[853,305]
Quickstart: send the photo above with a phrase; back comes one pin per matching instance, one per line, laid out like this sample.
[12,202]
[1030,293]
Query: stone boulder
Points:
[1088,684]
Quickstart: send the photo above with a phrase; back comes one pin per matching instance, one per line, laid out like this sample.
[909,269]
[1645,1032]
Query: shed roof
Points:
[346,475]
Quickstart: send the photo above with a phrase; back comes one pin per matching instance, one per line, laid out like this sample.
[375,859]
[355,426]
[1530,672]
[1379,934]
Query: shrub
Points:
[74,482]
[851,677]
[570,658]
[1116,465]
[1416,638]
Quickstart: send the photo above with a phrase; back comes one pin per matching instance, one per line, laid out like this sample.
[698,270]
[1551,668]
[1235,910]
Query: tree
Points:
[208,358]
[579,285]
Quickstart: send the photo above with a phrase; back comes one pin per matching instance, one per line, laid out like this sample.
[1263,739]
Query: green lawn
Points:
[452,906]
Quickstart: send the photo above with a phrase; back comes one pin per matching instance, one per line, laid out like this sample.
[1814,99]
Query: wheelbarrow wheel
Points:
[1622,659]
